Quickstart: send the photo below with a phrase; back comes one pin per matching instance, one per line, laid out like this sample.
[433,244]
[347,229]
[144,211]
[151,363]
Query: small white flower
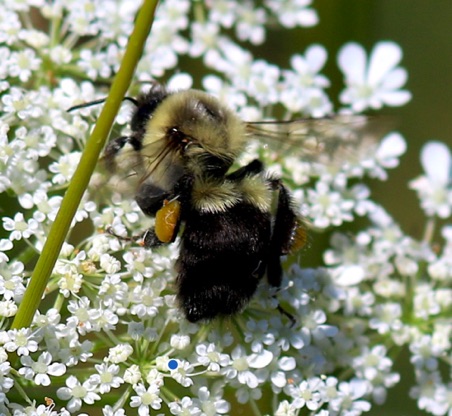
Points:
[257,332]
[347,402]
[327,206]
[77,393]
[94,65]
[302,88]
[5,382]
[109,411]
[8,308]
[204,40]
[387,318]
[11,280]
[184,407]
[60,54]
[35,38]
[210,406]
[132,375]
[146,398]
[19,227]
[22,341]
[22,63]
[425,353]
[307,393]
[120,353]
[286,409]
[145,302]
[435,187]
[224,12]
[65,168]
[47,208]
[373,360]
[70,280]
[179,342]
[293,13]
[373,84]
[211,358]
[182,373]
[106,378]
[155,377]
[242,363]
[278,369]
[11,26]
[109,263]
[425,302]
[348,275]
[262,82]
[250,25]
[39,370]
[432,395]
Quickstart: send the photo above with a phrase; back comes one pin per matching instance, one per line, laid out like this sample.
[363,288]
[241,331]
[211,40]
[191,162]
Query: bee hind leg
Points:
[287,230]
[146,239]
[287,235]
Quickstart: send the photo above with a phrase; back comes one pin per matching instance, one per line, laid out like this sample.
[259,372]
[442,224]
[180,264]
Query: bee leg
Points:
[252,168]
[150,239]
[150,198]
[288,315]
[284,236]
[287,236]
[132,239]
[166,227]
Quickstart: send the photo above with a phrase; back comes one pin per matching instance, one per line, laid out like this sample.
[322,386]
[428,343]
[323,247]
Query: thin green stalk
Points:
[80,180]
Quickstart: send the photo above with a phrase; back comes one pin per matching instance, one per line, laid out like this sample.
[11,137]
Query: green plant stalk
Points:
[82,175]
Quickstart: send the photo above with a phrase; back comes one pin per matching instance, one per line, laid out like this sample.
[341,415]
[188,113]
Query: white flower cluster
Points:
[109,335]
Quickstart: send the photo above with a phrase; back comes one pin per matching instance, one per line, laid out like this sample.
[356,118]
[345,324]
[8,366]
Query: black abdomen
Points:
[222,258]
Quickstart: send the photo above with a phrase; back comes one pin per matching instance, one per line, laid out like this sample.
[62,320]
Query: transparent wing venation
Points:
[333,139]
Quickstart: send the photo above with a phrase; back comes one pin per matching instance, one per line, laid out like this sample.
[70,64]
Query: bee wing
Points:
[331,140]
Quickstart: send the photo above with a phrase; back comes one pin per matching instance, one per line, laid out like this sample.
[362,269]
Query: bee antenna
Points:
[84,105]
[132,100]
[100,101]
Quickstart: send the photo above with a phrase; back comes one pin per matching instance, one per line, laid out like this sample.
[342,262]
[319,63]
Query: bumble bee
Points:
[180,157]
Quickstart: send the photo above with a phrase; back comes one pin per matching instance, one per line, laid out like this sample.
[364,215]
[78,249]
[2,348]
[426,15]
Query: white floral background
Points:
[108,335]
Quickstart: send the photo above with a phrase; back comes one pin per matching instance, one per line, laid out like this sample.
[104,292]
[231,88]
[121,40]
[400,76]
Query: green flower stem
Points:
[80,180]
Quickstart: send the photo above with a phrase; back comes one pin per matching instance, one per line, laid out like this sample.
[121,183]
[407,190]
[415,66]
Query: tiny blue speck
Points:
[173,364]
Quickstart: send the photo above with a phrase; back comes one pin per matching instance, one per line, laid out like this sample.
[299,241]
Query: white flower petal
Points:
[56,369]
[42,380]
[352,62]
[222,406]
[349,275]
[393,145]
[395,79]
[437,161]
[385,56]
[260,360]
[396,98]
[316,57]
[180,81]
[248,378]
[287,363]
[278,378]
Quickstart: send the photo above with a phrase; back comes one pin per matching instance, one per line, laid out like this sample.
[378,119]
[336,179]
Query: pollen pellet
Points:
[300,237]
[166,221]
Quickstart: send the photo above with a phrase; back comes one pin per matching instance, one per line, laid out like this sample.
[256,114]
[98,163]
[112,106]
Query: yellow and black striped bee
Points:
[180,156]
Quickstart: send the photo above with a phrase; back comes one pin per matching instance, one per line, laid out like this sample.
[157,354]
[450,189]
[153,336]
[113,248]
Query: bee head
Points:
[204,133]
